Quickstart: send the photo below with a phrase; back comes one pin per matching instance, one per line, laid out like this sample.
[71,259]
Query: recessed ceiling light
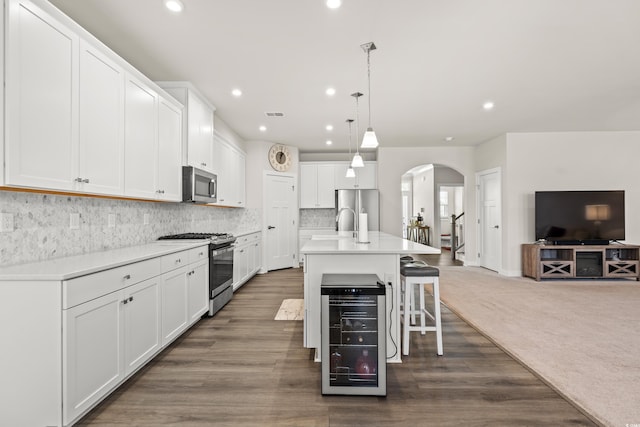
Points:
[329,128]
[329,142]
[334,4]
[449,139]
[488,105]
[236,92]
[175,6]
[263,128]
[330,91]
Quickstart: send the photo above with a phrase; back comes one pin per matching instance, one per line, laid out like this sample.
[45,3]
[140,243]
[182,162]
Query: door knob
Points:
[270,227]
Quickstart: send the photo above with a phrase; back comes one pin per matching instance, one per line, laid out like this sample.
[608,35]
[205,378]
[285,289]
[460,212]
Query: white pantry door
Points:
[490,219]
[281,236]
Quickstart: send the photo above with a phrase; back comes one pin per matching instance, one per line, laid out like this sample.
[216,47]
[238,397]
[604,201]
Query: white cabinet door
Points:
[142,338]
[240,264]
[226,183]
[326,186]
[92,352]
[141,143]
[169,185]
[41,92]
[308,186]
[257,255]
[317,186]
[198,278]
[230,166]
[174,304]
[366,177]
[199,133]
[101,143]
[240,170]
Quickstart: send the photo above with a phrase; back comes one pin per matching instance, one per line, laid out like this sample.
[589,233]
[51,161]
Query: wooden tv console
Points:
[541,261]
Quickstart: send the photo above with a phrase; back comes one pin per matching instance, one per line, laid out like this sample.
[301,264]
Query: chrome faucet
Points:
[355,219]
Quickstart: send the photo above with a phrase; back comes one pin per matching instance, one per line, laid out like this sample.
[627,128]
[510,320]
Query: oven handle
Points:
[219,251]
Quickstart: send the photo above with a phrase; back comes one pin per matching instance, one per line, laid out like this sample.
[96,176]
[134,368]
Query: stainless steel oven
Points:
[220,277]
[220,265]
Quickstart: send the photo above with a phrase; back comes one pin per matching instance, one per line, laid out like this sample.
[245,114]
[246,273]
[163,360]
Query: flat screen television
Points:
[579,217]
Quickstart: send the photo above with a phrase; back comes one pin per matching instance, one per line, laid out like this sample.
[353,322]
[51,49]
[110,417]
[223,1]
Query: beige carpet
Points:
[291,309]
[582,337]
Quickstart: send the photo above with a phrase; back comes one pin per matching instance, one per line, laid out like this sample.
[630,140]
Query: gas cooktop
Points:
[215,238]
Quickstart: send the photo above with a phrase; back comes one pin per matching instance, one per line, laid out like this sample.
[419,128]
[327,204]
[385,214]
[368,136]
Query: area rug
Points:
[291,309]
[582,337]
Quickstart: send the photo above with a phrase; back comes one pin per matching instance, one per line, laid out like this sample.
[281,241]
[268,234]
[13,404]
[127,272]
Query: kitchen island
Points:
[340,253]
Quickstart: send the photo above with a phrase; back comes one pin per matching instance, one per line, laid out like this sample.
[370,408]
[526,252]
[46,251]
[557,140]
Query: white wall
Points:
[566,161]
[257,163]
[423,196]
[394,162]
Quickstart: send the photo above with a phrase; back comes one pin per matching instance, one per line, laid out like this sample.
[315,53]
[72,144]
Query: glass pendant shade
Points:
[350,172]
[357,161]
[370,140]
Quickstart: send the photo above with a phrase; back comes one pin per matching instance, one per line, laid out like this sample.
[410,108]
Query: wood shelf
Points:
[580,261]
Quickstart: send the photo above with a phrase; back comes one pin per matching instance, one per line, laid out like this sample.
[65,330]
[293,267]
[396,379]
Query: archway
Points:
[433,204]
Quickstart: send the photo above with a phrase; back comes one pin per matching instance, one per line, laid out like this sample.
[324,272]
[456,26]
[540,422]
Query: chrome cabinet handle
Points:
[178,261]
[127,277]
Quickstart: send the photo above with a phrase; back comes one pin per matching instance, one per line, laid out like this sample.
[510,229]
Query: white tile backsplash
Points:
[41,224]
[317,218]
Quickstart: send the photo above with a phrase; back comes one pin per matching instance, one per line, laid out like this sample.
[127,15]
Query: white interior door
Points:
[281,236]
[490,219]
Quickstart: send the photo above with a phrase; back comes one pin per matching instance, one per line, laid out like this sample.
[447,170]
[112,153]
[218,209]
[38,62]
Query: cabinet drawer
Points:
[175,260]
[85,288]
[198,254]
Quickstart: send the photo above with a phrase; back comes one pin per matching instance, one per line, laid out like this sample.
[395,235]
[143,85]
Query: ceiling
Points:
[548,65]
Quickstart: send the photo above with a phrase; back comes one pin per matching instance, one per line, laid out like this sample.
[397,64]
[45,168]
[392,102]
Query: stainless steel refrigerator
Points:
[359,201]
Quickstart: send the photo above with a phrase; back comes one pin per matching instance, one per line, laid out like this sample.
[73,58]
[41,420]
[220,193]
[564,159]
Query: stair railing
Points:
[456,234]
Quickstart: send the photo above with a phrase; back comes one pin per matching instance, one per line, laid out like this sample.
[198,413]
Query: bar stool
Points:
[416,274]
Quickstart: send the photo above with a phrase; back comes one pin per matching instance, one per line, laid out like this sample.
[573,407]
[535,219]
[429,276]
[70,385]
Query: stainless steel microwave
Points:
[199,186]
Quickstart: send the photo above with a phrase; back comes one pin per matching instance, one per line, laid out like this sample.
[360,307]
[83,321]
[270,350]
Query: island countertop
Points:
[379,243]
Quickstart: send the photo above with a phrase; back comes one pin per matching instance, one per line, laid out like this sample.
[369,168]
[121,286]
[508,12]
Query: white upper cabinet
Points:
[197,124]
[169,181]
[141,140]
[78,117]
[200,133]
[317,185]
[230,166]
[101,147]
[365,179]
[41,99]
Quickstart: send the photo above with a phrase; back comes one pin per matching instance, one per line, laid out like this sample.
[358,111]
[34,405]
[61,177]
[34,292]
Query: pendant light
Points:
[357,158]
[369,140]
[350,172]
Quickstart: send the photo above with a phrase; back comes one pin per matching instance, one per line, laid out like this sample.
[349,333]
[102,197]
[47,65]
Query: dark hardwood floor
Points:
[241,367]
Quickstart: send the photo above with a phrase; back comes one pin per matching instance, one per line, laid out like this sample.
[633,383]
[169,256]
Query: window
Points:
[444,204]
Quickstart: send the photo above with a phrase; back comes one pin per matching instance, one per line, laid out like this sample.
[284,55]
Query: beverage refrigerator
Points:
[353,340]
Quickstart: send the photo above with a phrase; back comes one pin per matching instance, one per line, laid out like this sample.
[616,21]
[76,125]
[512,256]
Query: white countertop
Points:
[79,265]
[380,243]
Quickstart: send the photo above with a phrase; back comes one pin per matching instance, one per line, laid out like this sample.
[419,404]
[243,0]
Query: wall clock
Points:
[280,158]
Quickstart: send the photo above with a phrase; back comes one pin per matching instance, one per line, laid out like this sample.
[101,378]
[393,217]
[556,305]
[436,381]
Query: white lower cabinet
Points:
[92,354]
[107,339]
[247,258]
[174,304]
[141,305]
[198,290]
[93,331]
